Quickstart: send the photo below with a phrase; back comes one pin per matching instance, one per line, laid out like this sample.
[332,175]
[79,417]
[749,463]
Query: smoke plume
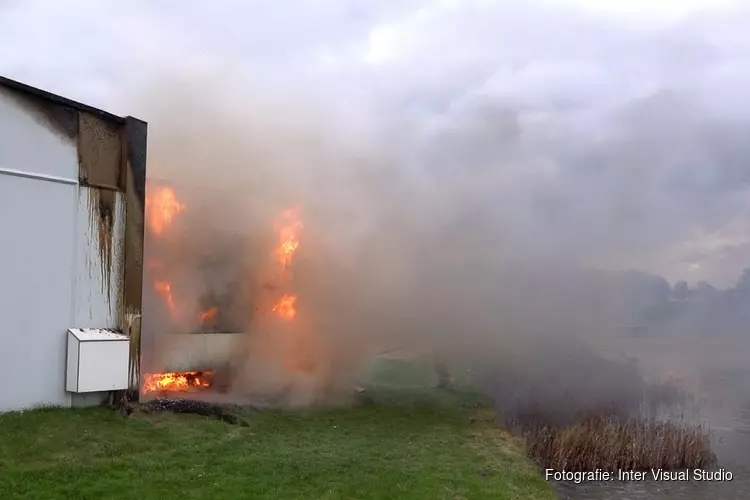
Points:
[481,237]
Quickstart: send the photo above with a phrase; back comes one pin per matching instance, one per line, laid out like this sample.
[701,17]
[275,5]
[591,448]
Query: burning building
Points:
[72,183]
[112,282]
[216,324]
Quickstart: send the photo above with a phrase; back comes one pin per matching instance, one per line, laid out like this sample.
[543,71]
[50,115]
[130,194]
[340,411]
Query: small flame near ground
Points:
[176,381]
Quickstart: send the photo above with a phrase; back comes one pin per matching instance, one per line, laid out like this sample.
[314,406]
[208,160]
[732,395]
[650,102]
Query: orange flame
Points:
[164,288]
[161,207]
[208,315]
[176,381]
[299,355]
[286,306]
[154,264]
[288,228]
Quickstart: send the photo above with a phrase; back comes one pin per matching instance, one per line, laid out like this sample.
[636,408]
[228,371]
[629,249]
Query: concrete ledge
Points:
[84,399]
[194,352]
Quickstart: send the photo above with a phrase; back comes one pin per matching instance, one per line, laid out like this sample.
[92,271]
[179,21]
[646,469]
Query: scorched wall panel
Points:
[98,276]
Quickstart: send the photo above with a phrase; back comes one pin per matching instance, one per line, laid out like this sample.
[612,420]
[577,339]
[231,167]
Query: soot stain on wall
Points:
[103,212]
[100,168]
[61,120]
[99,153]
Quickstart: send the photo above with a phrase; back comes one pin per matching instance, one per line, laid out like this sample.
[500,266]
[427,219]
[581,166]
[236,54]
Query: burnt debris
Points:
[225,413]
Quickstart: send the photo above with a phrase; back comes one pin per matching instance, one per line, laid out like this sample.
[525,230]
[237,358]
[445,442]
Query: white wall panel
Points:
[37,242]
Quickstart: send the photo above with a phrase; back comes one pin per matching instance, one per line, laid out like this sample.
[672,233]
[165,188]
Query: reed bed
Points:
[610,443]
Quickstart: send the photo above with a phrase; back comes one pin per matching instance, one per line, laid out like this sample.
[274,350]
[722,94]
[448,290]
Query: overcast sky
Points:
[627,118]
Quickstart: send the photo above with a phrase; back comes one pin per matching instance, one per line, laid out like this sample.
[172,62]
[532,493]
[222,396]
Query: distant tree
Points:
[743,283]
[704,289]
[681,290]
[661,289]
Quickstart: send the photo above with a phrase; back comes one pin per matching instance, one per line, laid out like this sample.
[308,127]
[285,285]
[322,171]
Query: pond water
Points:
[731,443]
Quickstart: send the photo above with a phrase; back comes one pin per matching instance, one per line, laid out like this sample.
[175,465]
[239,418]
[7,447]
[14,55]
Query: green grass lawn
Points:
[413,444]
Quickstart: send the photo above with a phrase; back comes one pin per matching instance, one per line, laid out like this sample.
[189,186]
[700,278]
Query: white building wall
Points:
[51,264]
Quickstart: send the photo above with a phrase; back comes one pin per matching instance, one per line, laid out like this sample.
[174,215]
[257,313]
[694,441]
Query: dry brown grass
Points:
[608,443]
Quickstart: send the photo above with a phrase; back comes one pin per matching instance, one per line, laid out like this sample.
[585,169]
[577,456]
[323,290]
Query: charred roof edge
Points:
[43,94]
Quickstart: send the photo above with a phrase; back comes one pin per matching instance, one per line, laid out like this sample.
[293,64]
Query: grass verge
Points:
[392,445]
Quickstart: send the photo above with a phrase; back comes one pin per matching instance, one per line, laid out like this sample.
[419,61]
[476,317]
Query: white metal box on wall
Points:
[72,195]
[98,360]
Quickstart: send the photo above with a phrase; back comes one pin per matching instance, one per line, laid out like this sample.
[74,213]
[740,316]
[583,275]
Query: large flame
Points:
[286,306]
[288,229]
[164,288]
[299,354]
[161,207]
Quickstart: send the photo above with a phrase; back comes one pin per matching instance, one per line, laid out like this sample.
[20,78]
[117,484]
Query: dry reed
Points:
[608,443]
